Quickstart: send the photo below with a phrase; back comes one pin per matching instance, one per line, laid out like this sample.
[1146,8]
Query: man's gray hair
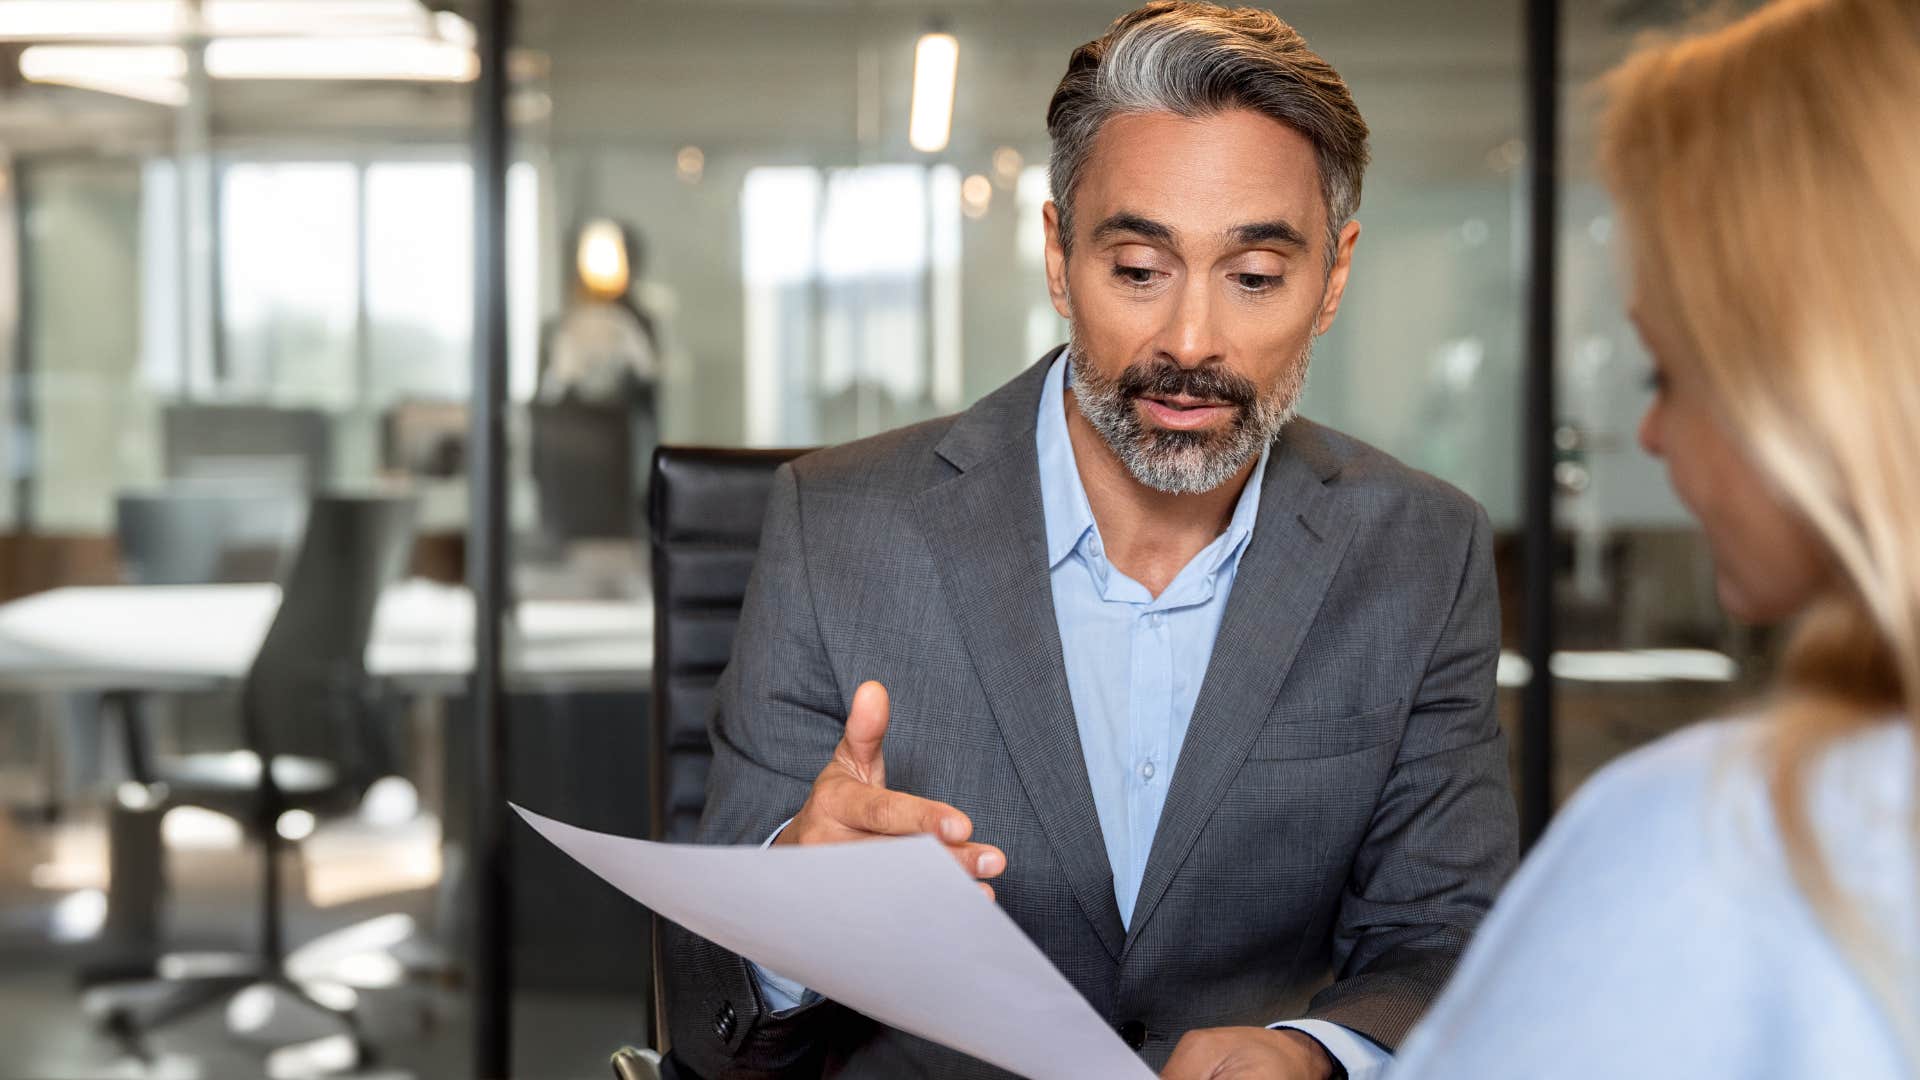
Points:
[1198,59]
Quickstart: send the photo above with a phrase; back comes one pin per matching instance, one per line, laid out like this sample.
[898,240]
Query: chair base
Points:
[188,984]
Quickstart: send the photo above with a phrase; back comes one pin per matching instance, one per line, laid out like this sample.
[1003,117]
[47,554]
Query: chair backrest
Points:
[583,469]
[706,509]
[308,687]
[259,445]
[205,537]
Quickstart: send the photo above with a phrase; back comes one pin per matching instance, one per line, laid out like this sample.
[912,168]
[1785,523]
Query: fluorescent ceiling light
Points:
[936,60]
[338,18]
[157,73]
[451,27]
[44,20]
[166,20]
[153,73]
[413,59]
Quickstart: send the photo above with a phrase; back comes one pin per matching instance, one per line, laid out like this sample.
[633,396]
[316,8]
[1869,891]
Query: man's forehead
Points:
[1209,174]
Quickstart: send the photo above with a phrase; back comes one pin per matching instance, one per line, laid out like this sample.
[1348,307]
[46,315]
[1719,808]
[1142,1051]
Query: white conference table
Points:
[185,637]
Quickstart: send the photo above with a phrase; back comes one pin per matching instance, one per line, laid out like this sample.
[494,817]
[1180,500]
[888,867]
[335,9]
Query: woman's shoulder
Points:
[1691,823]
[1645,799]
[1661,904]
[1718,775]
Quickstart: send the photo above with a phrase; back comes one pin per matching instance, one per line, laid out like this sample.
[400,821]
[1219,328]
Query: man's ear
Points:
[1337,278]
[1056,261]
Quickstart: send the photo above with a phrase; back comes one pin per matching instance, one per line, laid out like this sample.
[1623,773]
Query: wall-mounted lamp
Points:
[602,259]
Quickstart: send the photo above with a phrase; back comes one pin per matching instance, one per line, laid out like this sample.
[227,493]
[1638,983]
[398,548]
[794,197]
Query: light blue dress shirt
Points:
[1134,663]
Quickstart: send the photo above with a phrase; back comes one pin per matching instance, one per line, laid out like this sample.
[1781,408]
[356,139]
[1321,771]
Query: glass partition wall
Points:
[238,249]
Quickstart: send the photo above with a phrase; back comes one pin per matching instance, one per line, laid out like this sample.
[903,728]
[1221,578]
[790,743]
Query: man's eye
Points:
[1258,282]
[1134,275]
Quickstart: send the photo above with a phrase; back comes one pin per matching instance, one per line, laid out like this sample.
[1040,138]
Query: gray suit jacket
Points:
[1339,818]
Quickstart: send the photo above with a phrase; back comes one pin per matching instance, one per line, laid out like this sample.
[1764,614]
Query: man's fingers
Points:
[980,860]
[866,727]
[891,813]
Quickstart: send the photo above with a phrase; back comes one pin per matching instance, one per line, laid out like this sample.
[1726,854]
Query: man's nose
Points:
[1191,338]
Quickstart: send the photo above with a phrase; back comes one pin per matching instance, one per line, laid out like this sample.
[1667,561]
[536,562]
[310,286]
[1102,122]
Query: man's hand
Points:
[1249,1053]
[850,800]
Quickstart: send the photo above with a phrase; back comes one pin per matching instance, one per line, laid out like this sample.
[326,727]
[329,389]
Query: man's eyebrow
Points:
[1125,222]
[1269,232]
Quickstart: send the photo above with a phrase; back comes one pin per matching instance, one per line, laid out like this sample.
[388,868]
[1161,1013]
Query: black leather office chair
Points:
[304,712]
[706,509]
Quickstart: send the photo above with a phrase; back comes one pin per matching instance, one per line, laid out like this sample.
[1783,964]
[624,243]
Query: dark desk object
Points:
[257,445]
[583,470]
[303,709]
[706,510]
[202,537]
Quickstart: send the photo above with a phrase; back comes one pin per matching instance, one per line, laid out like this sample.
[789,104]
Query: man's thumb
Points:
[867,726]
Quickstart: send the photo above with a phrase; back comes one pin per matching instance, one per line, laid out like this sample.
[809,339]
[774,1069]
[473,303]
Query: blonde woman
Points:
[1740,900]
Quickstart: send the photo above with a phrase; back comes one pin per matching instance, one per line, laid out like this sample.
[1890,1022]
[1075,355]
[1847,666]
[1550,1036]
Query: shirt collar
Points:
[1246,513]
[1063,498]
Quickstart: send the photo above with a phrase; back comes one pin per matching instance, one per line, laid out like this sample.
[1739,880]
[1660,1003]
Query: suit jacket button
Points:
[1133,1033]
[723,1021]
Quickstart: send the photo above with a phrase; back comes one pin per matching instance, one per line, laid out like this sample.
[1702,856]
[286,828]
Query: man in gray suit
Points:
[1202,692]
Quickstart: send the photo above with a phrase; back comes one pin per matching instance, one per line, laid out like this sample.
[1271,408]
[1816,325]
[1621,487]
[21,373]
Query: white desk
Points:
[184,637]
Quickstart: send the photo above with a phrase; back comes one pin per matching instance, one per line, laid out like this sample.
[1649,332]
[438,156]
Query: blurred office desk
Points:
[192,637]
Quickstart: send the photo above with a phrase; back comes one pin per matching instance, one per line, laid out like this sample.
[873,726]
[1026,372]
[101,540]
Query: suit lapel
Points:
[1284,572]
[987,532]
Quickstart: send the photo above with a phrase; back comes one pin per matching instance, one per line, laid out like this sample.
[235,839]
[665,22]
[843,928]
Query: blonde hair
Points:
[1768,173]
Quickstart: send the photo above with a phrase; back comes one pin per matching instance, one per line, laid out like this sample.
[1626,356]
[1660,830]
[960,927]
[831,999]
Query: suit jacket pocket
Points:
[1294,737]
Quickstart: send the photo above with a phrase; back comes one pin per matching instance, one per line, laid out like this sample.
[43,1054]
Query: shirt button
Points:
[1146,770]
[1158,620]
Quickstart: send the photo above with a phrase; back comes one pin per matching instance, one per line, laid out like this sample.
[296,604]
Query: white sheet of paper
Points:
[892,928]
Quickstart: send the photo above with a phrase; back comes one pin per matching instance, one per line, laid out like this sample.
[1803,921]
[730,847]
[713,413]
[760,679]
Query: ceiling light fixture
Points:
[936,63]
[159,21]
[152,73]
[396,59]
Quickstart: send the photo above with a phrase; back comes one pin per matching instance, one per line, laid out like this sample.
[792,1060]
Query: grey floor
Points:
[419,1028]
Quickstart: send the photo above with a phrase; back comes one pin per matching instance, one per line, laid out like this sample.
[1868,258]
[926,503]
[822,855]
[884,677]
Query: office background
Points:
[238,292]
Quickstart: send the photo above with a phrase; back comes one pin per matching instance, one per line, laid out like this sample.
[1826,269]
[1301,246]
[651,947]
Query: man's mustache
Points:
[1164,378]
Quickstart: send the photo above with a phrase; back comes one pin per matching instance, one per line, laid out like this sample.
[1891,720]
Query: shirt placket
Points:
[1151,696]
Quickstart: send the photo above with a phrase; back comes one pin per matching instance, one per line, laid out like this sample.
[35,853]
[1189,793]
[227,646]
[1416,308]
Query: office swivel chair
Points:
[188,536]
[304,709]
[184,538]
[706,510]
[204,537]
